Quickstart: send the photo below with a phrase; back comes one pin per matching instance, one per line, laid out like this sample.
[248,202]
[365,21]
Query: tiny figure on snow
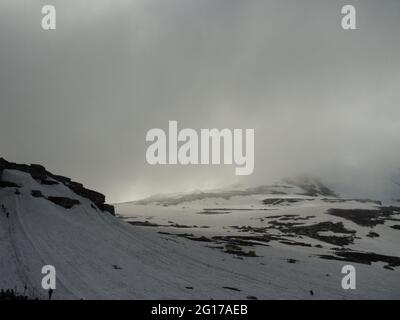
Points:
[50,293]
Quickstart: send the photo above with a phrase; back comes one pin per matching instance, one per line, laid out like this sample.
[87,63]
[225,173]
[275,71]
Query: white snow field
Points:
[221,245]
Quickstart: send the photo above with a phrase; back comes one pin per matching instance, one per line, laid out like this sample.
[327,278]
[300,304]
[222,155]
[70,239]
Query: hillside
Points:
[270,242]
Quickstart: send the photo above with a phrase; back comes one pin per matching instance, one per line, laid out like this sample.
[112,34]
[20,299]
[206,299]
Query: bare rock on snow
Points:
[64,202]
[40,174]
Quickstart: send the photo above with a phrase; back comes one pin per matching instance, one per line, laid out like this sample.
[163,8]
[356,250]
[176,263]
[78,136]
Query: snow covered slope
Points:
[293,237]
[226,246]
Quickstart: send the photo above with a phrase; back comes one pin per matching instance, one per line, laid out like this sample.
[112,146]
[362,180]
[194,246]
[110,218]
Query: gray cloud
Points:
[81,99]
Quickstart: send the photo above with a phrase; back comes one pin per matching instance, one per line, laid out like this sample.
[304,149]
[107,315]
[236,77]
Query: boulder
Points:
[37,194]
[66,203]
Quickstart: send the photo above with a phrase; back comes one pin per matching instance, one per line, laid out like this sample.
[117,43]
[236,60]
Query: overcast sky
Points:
[322,101]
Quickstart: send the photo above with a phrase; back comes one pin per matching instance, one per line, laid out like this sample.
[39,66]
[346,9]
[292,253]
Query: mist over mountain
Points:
[323,102]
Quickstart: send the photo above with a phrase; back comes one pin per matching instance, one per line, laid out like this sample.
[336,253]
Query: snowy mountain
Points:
[280,241]
[292,237]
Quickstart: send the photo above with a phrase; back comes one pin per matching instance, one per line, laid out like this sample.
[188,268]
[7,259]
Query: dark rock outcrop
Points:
[37,194]
[40,174]
[49,182]
[67,203]
[363,257]
[7,184]
[365,217]
[287,201]
[107,207]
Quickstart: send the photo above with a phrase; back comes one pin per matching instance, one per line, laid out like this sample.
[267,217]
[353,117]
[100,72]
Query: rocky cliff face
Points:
[41,175]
